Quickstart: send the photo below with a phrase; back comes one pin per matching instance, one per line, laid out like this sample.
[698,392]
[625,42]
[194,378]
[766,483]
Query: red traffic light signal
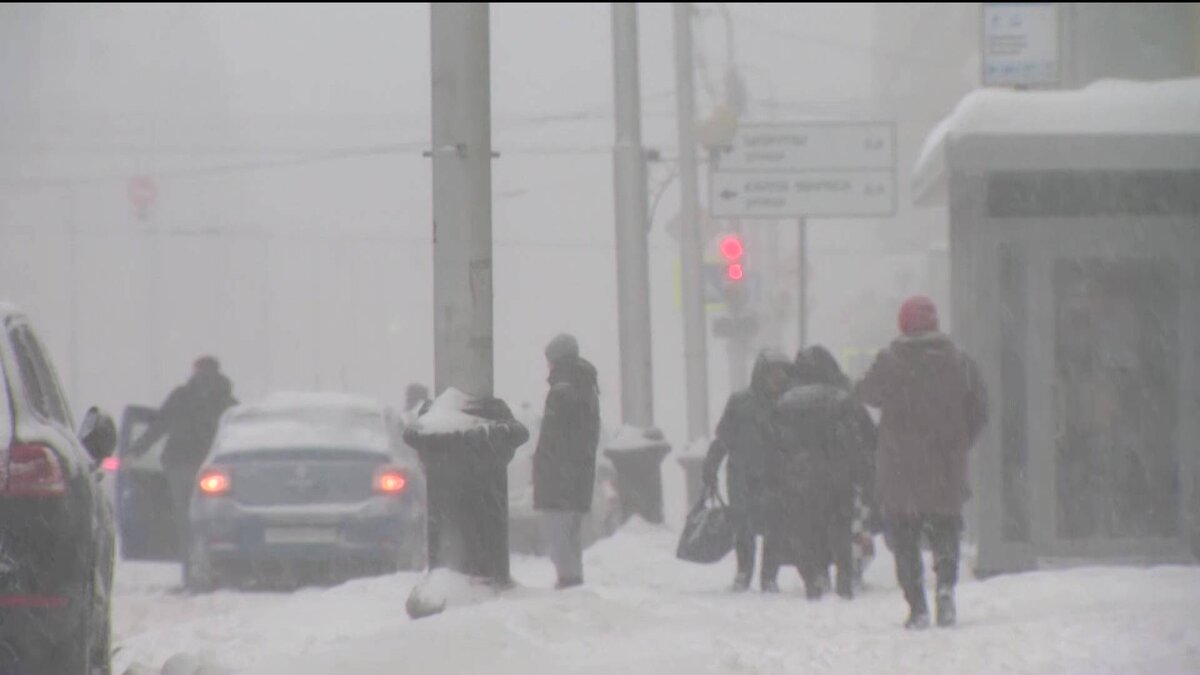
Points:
[732,250]
[731,247]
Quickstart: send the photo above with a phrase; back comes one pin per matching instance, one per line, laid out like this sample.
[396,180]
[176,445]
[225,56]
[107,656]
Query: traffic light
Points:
[732,250]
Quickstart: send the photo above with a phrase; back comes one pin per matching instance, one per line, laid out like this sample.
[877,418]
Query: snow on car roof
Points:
[1105,107]
[304,419]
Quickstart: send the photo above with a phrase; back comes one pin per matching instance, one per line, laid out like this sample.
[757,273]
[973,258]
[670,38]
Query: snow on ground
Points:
[643,611]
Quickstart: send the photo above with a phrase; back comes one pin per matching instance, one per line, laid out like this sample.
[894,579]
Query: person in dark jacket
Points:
[863,438]
[745,435]
[819,460]
[564,463]
[189,419]
[934,406]
[465,444]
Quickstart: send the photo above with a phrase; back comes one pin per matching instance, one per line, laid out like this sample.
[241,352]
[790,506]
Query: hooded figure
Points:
[933,407]
[824,442]
[189,419]
[745,436]
[564,463]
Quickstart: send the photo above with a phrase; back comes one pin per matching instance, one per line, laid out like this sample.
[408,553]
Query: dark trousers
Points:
[181,480]
[812,538]
[744,546]
[839,546]
[905,533]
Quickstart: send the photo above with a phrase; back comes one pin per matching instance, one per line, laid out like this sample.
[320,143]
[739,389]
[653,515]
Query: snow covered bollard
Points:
[465,444]
[691,459]
[637,456]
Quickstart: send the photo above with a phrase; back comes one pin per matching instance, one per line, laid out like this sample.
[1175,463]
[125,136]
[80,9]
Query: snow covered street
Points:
[643,611]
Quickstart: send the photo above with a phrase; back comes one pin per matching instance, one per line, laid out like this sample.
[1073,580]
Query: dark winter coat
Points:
[824,442]
[467,488]
[745,435]
[564,463]
[189,419]
[934,406]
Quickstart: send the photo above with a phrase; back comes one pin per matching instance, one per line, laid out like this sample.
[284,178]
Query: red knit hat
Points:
[918,315]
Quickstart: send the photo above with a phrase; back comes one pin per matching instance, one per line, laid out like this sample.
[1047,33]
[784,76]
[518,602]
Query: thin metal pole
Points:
[695,331]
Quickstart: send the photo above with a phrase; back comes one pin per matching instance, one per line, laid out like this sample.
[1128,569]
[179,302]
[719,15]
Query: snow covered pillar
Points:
[465,444]
[466,437]
[637,457]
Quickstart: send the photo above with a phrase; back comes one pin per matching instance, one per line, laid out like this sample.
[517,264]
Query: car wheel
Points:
[74,655]
[198,574]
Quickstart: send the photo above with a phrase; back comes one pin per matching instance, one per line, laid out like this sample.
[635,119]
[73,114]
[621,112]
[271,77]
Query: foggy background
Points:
[291,231]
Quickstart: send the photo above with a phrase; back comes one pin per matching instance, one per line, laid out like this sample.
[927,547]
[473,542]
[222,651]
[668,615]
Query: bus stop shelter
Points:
[1074,246]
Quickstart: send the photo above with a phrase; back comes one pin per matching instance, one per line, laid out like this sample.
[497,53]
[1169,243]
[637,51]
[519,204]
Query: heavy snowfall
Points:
[599,338]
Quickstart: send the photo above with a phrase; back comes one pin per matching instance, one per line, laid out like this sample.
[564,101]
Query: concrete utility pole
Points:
[632,211]
[695,330]
[462,198]
[802,286]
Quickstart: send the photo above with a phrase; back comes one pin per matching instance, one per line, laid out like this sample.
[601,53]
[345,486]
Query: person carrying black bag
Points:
[745,436]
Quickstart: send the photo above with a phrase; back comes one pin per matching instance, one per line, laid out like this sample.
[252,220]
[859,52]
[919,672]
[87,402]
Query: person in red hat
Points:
[933,407]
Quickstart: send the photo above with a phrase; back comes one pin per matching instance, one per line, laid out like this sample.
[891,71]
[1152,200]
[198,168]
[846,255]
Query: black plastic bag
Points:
[708,534]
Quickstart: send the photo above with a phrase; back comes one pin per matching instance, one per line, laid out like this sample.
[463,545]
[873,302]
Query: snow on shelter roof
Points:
[304,420]
[1105,107]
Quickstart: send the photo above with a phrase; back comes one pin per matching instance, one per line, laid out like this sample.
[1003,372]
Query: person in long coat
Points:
[933,406]
[824,442]
[744,435]
[564,463]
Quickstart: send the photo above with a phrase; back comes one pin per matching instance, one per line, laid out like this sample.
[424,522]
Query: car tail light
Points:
[214,482]
[111,464]
[390,480]
[31,470]
[39,601]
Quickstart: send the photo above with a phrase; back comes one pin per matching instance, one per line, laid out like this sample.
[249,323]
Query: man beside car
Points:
[189,419]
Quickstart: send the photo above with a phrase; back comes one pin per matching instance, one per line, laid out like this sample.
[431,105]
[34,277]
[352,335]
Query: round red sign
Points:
[142,193]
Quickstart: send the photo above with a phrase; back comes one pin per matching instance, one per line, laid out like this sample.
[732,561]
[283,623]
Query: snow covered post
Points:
[465,440]
[465,444]
[692,461]
[637,457]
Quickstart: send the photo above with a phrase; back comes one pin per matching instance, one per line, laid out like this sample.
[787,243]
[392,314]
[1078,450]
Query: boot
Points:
[845,586]
[741,583]
[946,613]
[570,582]
[918,614]
[918,619]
